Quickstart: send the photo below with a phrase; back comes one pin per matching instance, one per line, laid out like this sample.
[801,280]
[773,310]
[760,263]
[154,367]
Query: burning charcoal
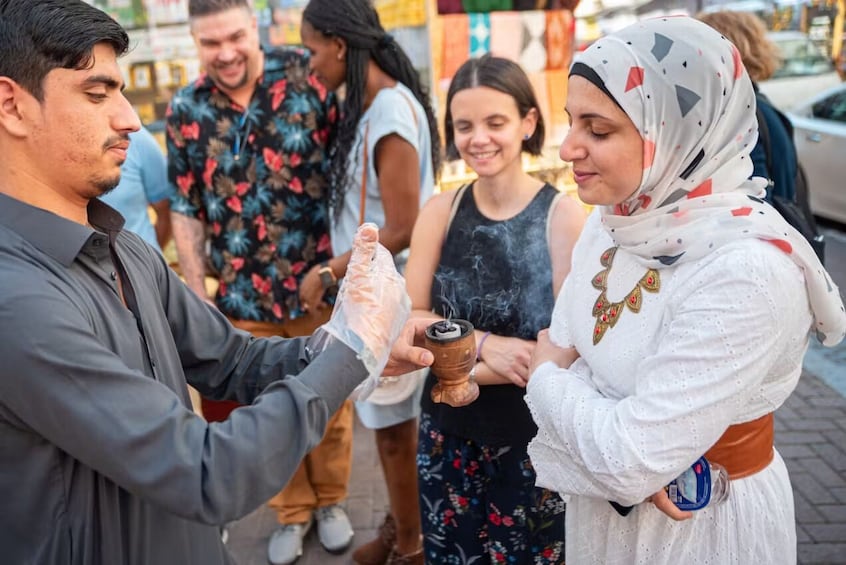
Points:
[445,329]
[454,346]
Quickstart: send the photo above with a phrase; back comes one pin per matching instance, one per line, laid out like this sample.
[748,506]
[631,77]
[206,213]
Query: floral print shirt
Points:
[256,177]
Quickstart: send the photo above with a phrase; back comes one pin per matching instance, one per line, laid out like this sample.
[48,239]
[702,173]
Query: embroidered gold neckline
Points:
[606,312]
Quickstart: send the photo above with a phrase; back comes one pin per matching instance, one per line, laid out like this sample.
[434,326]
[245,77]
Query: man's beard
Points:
[228,86]
[103,186]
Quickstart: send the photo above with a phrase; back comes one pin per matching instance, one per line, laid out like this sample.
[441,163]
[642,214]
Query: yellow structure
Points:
[837,32]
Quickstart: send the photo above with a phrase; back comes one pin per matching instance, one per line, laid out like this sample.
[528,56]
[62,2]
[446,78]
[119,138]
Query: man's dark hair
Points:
[206,7]
[357,23]
[37,36]
[506,77]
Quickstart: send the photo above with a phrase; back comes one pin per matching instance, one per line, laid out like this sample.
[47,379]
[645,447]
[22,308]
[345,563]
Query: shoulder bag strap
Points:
[363,201]
[410,105]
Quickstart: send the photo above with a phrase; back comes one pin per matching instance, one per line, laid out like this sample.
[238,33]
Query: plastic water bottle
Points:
[720,483]
[702,484]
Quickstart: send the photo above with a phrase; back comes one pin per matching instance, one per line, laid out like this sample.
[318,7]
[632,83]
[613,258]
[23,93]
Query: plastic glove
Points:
[372,305]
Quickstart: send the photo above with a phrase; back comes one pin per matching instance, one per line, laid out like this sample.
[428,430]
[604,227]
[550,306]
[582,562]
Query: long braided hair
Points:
[357,23]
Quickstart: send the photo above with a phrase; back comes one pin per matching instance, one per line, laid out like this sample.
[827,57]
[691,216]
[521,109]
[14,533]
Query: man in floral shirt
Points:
[246,154]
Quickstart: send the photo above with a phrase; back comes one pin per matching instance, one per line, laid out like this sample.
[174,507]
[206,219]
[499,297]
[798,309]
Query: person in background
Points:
[384,161]
[143,183]
[102,459]
[684,320]
[246,155]
[761,58]
[495,253]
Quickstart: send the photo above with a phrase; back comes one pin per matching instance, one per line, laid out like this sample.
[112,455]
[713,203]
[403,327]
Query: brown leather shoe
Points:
[415,558]
[377,551]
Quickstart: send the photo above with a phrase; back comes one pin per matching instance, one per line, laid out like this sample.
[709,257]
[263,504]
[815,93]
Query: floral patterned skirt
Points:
[479,500]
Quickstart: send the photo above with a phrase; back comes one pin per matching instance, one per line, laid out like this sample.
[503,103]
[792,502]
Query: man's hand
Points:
[545,351]
[407,354]
[311,291]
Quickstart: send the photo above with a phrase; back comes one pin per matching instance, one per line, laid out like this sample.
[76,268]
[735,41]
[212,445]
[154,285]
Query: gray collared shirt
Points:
[101,458]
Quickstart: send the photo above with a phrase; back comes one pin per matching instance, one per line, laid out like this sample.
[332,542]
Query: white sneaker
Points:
[333,528]
[286,543]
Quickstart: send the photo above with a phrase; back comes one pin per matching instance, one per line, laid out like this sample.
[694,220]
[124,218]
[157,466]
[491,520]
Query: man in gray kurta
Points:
[102,460]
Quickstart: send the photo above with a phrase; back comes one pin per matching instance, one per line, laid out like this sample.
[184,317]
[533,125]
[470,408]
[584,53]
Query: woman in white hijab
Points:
[686,315]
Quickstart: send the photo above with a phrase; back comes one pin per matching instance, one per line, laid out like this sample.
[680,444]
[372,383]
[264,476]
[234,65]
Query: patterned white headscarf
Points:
[686,90]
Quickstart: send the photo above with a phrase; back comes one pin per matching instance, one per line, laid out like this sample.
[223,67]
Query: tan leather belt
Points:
[744,449]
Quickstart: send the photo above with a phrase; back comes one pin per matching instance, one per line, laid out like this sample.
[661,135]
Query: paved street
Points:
[830,363]
[810,435]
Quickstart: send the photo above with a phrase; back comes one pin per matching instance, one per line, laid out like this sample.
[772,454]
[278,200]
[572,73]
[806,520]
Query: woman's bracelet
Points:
[479,347]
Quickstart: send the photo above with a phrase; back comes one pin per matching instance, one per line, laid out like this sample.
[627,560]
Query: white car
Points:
[820,135]
[806,70]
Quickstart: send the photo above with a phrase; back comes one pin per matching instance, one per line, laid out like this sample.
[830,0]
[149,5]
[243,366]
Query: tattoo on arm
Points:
[190,238]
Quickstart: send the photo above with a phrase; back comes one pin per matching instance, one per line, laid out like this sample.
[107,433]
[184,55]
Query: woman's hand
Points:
[545,351]
[509,357]
[663,503]
[311,291]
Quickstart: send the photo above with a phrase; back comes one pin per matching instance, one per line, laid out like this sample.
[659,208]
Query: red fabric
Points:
[456,43]
[450,7]
[559,39]
[217,410]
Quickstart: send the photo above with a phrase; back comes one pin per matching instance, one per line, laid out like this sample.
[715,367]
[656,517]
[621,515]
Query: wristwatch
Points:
[327,276]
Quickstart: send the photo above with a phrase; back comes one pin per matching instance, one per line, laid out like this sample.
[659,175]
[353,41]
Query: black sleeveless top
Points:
[498,276]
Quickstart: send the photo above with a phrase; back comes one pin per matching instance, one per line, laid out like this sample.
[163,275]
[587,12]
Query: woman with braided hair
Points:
[383,161]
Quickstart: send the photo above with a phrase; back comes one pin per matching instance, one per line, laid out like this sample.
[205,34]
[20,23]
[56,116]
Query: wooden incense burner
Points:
[454,346]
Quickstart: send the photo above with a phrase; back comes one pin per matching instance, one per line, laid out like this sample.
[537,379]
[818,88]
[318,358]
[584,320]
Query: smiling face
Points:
[78,134]
[327,56]
[488,130]
[603,145]
[228,47]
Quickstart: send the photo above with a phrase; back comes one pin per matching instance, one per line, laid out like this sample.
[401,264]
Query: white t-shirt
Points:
[394,111]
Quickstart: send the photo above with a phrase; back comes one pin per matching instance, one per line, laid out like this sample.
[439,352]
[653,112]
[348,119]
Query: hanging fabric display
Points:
[538,80]
[456,43]
[395,14]
[506,35]
[450,7]
[485,6]
[533,50]
[556,88]
[480,34]
[559,33]
[530,4]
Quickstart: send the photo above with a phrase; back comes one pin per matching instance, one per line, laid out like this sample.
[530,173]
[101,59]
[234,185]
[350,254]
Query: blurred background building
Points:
[439,35]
